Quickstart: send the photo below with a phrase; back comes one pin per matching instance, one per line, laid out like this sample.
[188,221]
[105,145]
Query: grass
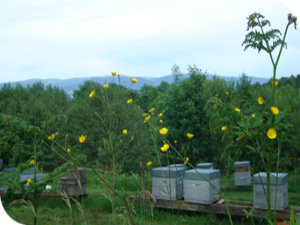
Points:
[99,211]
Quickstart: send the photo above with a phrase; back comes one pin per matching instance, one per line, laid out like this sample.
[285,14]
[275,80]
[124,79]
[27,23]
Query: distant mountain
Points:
[69,85]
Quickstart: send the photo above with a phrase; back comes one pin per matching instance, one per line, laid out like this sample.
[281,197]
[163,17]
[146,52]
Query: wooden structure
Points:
[44,195]
[234,207]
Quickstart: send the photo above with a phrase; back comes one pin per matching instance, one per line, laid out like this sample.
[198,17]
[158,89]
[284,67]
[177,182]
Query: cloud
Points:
[64,39]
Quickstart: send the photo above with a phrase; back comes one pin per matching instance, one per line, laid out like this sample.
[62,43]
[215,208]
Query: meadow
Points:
[99,211]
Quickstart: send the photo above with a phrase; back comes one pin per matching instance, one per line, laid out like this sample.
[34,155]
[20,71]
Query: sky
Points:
[68,39]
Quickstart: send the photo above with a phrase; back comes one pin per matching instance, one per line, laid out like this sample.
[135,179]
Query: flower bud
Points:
[282,133]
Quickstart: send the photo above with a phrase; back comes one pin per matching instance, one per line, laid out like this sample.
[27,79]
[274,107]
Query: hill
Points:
[69,85]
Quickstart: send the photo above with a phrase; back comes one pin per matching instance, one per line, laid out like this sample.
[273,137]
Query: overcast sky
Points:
[67,39]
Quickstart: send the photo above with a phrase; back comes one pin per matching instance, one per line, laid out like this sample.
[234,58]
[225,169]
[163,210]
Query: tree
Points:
[163,86]
[148,93]
[183,105]
[177,74]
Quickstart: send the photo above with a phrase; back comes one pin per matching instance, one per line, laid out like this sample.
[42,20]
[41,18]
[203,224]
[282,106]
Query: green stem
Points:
[35,191]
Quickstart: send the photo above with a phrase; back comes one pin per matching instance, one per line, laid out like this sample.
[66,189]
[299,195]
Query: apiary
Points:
[259,199]
[205,166]
[197,189]
[242,173]
[168,178]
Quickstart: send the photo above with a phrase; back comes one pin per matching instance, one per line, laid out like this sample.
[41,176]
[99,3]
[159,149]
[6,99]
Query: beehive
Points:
[242,173]
[198,190]
[259,199]
[70,184]
[24,177]
[205,166]
[168,178]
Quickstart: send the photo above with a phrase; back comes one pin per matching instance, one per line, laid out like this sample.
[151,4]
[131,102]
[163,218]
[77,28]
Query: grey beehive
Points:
[242,173]
[207,166]
[259,198]
[167,178]
[24,177]
[197,189]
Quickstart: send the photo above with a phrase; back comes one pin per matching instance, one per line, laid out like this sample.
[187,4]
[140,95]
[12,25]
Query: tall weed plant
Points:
[259,133]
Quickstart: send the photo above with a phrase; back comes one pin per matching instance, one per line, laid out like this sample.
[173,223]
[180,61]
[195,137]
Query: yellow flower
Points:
[237,109]
[185,163]
[92,94]
[129,101]
[51,137]
[82,139]
[29,181]
[227,93]
[163,131]
[145,114]
[32,162]
[260,100]
[133,80]
[165,148]
[175,142]
[147,119]
[68,150]
[113,73]
[253,116]
[187,159]
[149,163]
[56,133]
[240,137]
[105,86]
[224,128]
[160,115]
[161,121]
[125,132]
[152,110]
[276,83]
[272,133]
[274,110]
[216,95]
[190,136]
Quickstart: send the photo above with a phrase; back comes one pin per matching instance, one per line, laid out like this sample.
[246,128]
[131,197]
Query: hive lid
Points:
[282,178]
[241,164]
[5,170]
[204,165]
[177,165]
[172,172]
[208,174]
[30,171]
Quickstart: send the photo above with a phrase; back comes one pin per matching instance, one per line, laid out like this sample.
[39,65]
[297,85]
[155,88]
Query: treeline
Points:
[182,104]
